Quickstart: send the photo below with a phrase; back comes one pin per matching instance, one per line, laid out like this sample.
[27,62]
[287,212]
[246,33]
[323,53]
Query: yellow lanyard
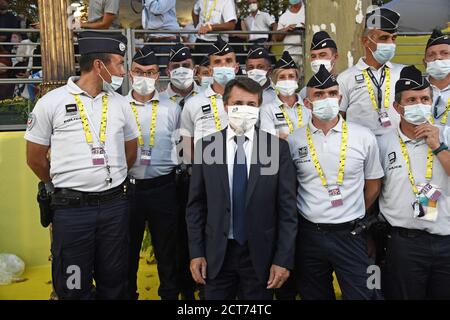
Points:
[288,120]
[215,112]
[85,121]
[445,116]
[206,15]
[174,98]
[152,126]
[342,156]
[429,173]
[387,90]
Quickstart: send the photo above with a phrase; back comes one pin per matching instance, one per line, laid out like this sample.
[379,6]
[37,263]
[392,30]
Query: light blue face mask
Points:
[438,69]
[326,109]
[223,74]
[417,114]
[293,2]
[116,82]
[206,81]
[384,53]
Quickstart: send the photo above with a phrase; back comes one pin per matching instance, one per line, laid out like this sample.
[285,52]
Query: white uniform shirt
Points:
[269,95]
[356,99]
[262,21]
[163,156]
[56,122]
[222,11]
[440,104]
[362,163]
[286,19]
[273,121]
[231,152]
[176,98]
[397,196]
[197,117]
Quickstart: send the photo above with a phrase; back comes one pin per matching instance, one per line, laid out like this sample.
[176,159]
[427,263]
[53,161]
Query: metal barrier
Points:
[131,35]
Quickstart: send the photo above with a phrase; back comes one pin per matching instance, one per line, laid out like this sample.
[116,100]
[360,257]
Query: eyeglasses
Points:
[147,74]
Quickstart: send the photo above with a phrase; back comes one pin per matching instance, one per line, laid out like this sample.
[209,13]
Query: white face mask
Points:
[258,75]
[438,69]
[206,81]
[143,85]
[182,78]
[315,65]
[253,7]
[116,82]
[326,109]
[242,118]
[417,113]
[286,87]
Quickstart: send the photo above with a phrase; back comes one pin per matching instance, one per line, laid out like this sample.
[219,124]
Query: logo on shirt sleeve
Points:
[31,121]
[392,157]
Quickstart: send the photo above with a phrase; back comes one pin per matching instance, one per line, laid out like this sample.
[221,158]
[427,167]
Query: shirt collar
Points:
[409,140]
[361,65]
[172,93]
[74,89]
[130,98]
[447,88]
[231,134]
[280,103]
[210,92]
[336,128]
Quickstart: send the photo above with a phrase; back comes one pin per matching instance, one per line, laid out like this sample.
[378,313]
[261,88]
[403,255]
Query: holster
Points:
[44,201]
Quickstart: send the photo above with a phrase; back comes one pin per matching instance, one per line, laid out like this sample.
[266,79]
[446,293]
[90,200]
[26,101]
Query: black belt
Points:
[154,182]
[328,226]
[414,233]
[68,197]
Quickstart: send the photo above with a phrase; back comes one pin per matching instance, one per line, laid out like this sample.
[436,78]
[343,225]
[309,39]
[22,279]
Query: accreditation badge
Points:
[383,117]
[98,156]
[425,206]
[335,196]
[146,157]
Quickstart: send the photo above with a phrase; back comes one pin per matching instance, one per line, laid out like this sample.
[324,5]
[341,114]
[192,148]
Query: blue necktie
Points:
[239,191]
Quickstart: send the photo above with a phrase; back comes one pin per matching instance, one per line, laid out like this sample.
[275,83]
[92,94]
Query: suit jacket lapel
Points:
[223,167]
[254,168]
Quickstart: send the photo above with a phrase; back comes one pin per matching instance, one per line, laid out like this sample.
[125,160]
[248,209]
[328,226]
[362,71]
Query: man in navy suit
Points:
[241,215]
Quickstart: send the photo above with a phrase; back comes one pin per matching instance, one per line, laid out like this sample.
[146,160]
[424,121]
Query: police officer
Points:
[367,88]
[415,198]
[437,61]
[180,89]
[153,174]
[181,73]
[93,137]
[286,112]
[259,68]
[204,114]
[204,74]
[323,51]
[338,174]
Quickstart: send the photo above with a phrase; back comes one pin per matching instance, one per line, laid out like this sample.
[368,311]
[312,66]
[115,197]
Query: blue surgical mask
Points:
[223,74]
[438,69]
[326,109]
[417,114]
[116,82]
[206,81]
[293,2]
[384,53]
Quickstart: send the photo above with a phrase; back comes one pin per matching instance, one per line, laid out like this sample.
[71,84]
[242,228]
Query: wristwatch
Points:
[442,147]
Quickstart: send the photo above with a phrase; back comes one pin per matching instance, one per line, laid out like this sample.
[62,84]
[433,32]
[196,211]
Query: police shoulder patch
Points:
[31,121]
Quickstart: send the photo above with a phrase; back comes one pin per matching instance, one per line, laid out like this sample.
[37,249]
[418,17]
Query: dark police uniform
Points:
[88,170]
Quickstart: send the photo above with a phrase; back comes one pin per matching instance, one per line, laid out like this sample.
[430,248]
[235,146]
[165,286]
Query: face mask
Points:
[417,114]
[315,65]
[182,78]
[223,74]
[286,87]
[206,81]
[384,53]
[116,82]
[253,7]
[438,69]
[258,75]
[294,2]
[242,118]
[326,109]
[144,86]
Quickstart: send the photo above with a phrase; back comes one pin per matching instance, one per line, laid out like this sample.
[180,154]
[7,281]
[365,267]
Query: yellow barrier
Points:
[20,229]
